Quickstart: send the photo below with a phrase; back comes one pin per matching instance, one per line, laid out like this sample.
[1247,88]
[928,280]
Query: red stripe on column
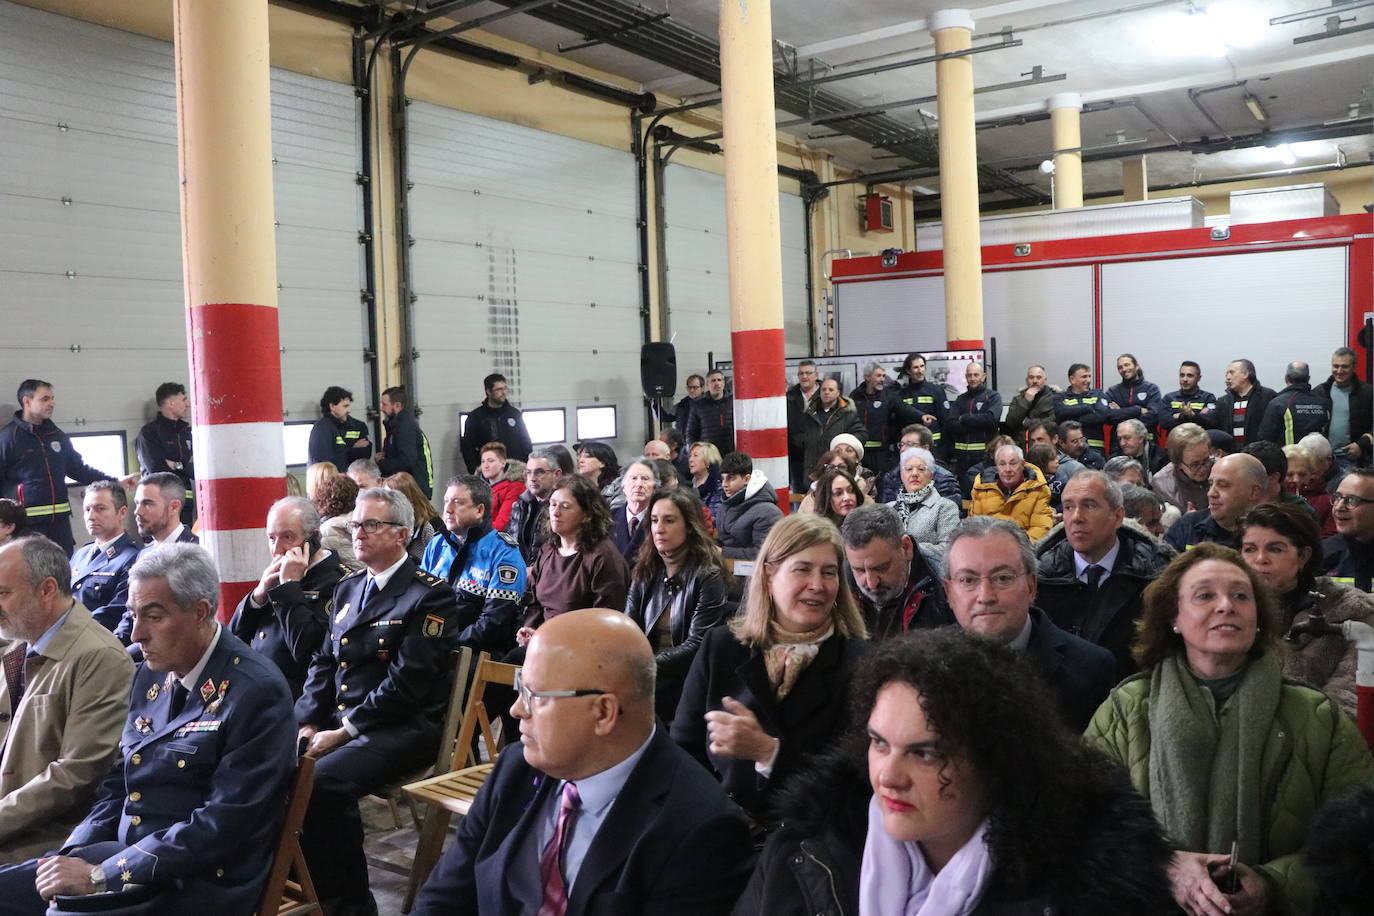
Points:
[760,371]
[762,443]
[235,363]
[235,503]
[965,345]
[785,500]
[230,594]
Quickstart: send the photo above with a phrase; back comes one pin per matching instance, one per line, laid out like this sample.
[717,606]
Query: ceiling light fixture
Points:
[1284,153]
[1252,102]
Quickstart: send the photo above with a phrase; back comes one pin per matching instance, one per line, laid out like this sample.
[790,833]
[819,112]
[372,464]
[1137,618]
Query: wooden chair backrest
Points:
[462,664]
[475,714]
[288,857]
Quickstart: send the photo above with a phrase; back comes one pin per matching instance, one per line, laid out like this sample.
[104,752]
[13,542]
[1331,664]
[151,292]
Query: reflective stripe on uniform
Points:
[872,444]
[1288,427]
[970,446]
[34,511]
[1097,443]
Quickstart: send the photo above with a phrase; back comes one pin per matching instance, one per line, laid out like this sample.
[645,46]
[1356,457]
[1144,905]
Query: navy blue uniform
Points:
[100,578]
[1089,408]
[927,398]
[972,421]
[407,449]
[384,667]
[1136,400]
[337,442]
[1293,413]
[883,415]
[1198,527]
[1203,404]
[194,802]
[290,627]
[165,445]
[35,461]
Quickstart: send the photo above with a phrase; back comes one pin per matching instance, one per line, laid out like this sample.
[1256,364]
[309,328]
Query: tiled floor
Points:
[389,854]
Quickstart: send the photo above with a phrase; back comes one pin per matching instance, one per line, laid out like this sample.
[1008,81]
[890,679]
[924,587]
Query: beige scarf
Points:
[789,654]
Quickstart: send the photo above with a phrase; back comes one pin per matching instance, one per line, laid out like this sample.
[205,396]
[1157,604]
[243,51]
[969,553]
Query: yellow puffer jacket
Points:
[1028,505]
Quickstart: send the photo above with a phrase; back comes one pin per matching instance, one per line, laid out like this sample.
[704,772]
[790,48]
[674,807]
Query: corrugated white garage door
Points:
[525,262]
[90,247]
[698,288]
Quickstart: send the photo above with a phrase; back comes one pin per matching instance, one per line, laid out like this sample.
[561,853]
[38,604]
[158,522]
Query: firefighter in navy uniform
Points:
[973,419]
[375,696]
[484,567]
[882,414]
[36,458]
[1188,404]
[164,444]
[100,570]
[928,401]
[283,617]
[1086,405]
[337,436]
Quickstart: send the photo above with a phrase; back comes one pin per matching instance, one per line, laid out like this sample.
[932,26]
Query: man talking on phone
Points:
[283,617]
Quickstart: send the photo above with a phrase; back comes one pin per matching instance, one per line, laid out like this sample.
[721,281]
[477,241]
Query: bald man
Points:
[596,811]
[1236,486]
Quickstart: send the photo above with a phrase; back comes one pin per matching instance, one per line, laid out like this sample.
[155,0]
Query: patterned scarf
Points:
[908,503]
[789,654]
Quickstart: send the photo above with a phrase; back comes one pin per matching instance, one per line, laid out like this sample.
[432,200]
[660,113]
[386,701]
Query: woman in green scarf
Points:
[1227,750]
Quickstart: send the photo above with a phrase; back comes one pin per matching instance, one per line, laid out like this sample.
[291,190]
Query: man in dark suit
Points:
[630,522]
[989,569]
[596,811]
[189,814]
[374,699]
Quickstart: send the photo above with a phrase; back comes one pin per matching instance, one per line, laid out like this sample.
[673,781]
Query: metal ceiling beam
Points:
[1321,11]
[912,26]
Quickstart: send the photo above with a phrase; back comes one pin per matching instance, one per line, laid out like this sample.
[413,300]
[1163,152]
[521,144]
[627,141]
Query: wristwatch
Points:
[97,879]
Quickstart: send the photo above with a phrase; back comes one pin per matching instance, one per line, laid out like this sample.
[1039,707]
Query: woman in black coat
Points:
[769,689]
[986,804]
[678,591]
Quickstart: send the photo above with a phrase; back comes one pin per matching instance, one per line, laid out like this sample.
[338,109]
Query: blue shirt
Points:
[40,645]
[1340,417]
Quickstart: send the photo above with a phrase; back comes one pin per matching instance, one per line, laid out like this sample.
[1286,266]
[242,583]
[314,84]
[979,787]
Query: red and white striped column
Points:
[224,140]
[753,238]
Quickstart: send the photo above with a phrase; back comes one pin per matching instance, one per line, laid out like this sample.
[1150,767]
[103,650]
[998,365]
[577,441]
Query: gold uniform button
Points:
[135,820]
[342,707]
[236,659]
[135,796]
[135,759]
[262,634]
[343,664]
[219,873]
[344,641]
[181,764]
[381,641]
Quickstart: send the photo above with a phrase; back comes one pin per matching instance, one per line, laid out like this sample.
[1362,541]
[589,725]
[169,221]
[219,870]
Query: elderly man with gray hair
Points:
[57,746]
[374,700]
[283,617]
[187,819]
[882,414]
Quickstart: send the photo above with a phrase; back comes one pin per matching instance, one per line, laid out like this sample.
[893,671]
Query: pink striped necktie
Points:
[551,862]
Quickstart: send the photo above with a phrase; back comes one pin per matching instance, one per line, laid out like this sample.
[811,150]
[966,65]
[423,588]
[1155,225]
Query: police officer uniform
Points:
[289,628]
[35,461]
[383,672]
[487,573]
[165,445]
[194,802]
[100,578]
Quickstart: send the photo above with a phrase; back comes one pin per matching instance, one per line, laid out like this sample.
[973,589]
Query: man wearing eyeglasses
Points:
[990,582]
[542,473]
[1236,486]
[1349,553]
[374,699]
[596,810]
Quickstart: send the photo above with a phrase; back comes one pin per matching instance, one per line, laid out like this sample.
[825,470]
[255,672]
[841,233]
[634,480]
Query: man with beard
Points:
[1189,403]
[896,589]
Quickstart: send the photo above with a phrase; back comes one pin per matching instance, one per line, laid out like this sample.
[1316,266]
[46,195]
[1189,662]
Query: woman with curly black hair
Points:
[959,793]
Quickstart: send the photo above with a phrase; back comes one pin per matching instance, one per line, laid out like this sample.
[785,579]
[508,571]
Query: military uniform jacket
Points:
[387,664]
[291,626]
[100,578]
[199,797]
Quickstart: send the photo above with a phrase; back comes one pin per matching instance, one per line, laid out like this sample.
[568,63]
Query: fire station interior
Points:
[536,187]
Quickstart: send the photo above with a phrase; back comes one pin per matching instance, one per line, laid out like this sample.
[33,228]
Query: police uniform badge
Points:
[152,691]
[506,575]
[434,625]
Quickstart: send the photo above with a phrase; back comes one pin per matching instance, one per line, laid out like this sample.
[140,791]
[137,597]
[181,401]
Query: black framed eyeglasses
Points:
[371,526]
[526,694]
[1350,499]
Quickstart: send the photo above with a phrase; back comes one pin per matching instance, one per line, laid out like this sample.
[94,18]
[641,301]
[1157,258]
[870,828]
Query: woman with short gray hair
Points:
[926,515]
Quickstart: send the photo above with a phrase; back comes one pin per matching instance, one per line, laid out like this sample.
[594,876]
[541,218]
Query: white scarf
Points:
[896,881]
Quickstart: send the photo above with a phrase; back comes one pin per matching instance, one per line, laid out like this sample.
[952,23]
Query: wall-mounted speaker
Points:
[658,370]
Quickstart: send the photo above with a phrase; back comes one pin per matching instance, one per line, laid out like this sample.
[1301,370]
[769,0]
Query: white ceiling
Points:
[1110,52]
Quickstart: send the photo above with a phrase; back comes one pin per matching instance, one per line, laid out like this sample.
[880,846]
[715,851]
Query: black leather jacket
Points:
[695,601]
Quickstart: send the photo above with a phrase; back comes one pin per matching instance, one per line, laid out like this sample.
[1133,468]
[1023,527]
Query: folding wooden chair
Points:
[289,890]
[452,791]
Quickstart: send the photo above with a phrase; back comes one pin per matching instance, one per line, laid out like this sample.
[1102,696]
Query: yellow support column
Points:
[953,31]
[753,239]
[1134,180]
[1065,126]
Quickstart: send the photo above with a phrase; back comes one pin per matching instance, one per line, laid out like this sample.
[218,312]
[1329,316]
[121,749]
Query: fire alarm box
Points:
[877,213]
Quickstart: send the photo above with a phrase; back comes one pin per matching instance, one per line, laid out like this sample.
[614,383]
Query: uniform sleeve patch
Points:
[434,625]
[507,574]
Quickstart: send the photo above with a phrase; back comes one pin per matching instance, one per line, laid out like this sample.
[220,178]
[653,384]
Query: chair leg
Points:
[427,852]
[395,811]
[415,814]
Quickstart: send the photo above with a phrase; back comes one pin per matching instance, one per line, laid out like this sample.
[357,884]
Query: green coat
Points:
[1314,753]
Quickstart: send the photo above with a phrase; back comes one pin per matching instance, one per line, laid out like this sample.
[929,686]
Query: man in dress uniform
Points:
[375,696]
[188,817]
[100,570]
[164,444]
[283,617]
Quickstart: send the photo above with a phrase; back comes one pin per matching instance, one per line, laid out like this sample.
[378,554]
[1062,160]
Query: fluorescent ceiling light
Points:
[1284,153]
[1252,102]
[1238,25]
[1208,31]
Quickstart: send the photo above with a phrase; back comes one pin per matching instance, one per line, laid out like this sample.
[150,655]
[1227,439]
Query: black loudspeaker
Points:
[658,370]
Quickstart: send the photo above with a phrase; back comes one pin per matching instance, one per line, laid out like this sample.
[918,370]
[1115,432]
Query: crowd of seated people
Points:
[800,708]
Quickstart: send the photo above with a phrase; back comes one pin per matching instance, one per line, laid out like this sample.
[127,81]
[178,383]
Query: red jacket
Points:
[504,493]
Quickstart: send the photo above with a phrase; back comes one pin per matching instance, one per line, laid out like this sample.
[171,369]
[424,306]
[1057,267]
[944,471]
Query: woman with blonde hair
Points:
[317,472]
[770,688]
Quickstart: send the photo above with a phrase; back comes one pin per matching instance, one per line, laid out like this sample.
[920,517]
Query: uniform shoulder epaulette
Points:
[508,538]
[353,572]
[427,578]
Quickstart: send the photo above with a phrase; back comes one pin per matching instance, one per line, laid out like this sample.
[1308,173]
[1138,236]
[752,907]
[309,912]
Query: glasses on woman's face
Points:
[371,526]
[968,582]
[1202,465]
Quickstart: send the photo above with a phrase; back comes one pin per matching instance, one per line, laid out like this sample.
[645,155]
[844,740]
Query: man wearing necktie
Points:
[595,811]
[186,820]
[54,749]
[1094,568]
[374,700]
